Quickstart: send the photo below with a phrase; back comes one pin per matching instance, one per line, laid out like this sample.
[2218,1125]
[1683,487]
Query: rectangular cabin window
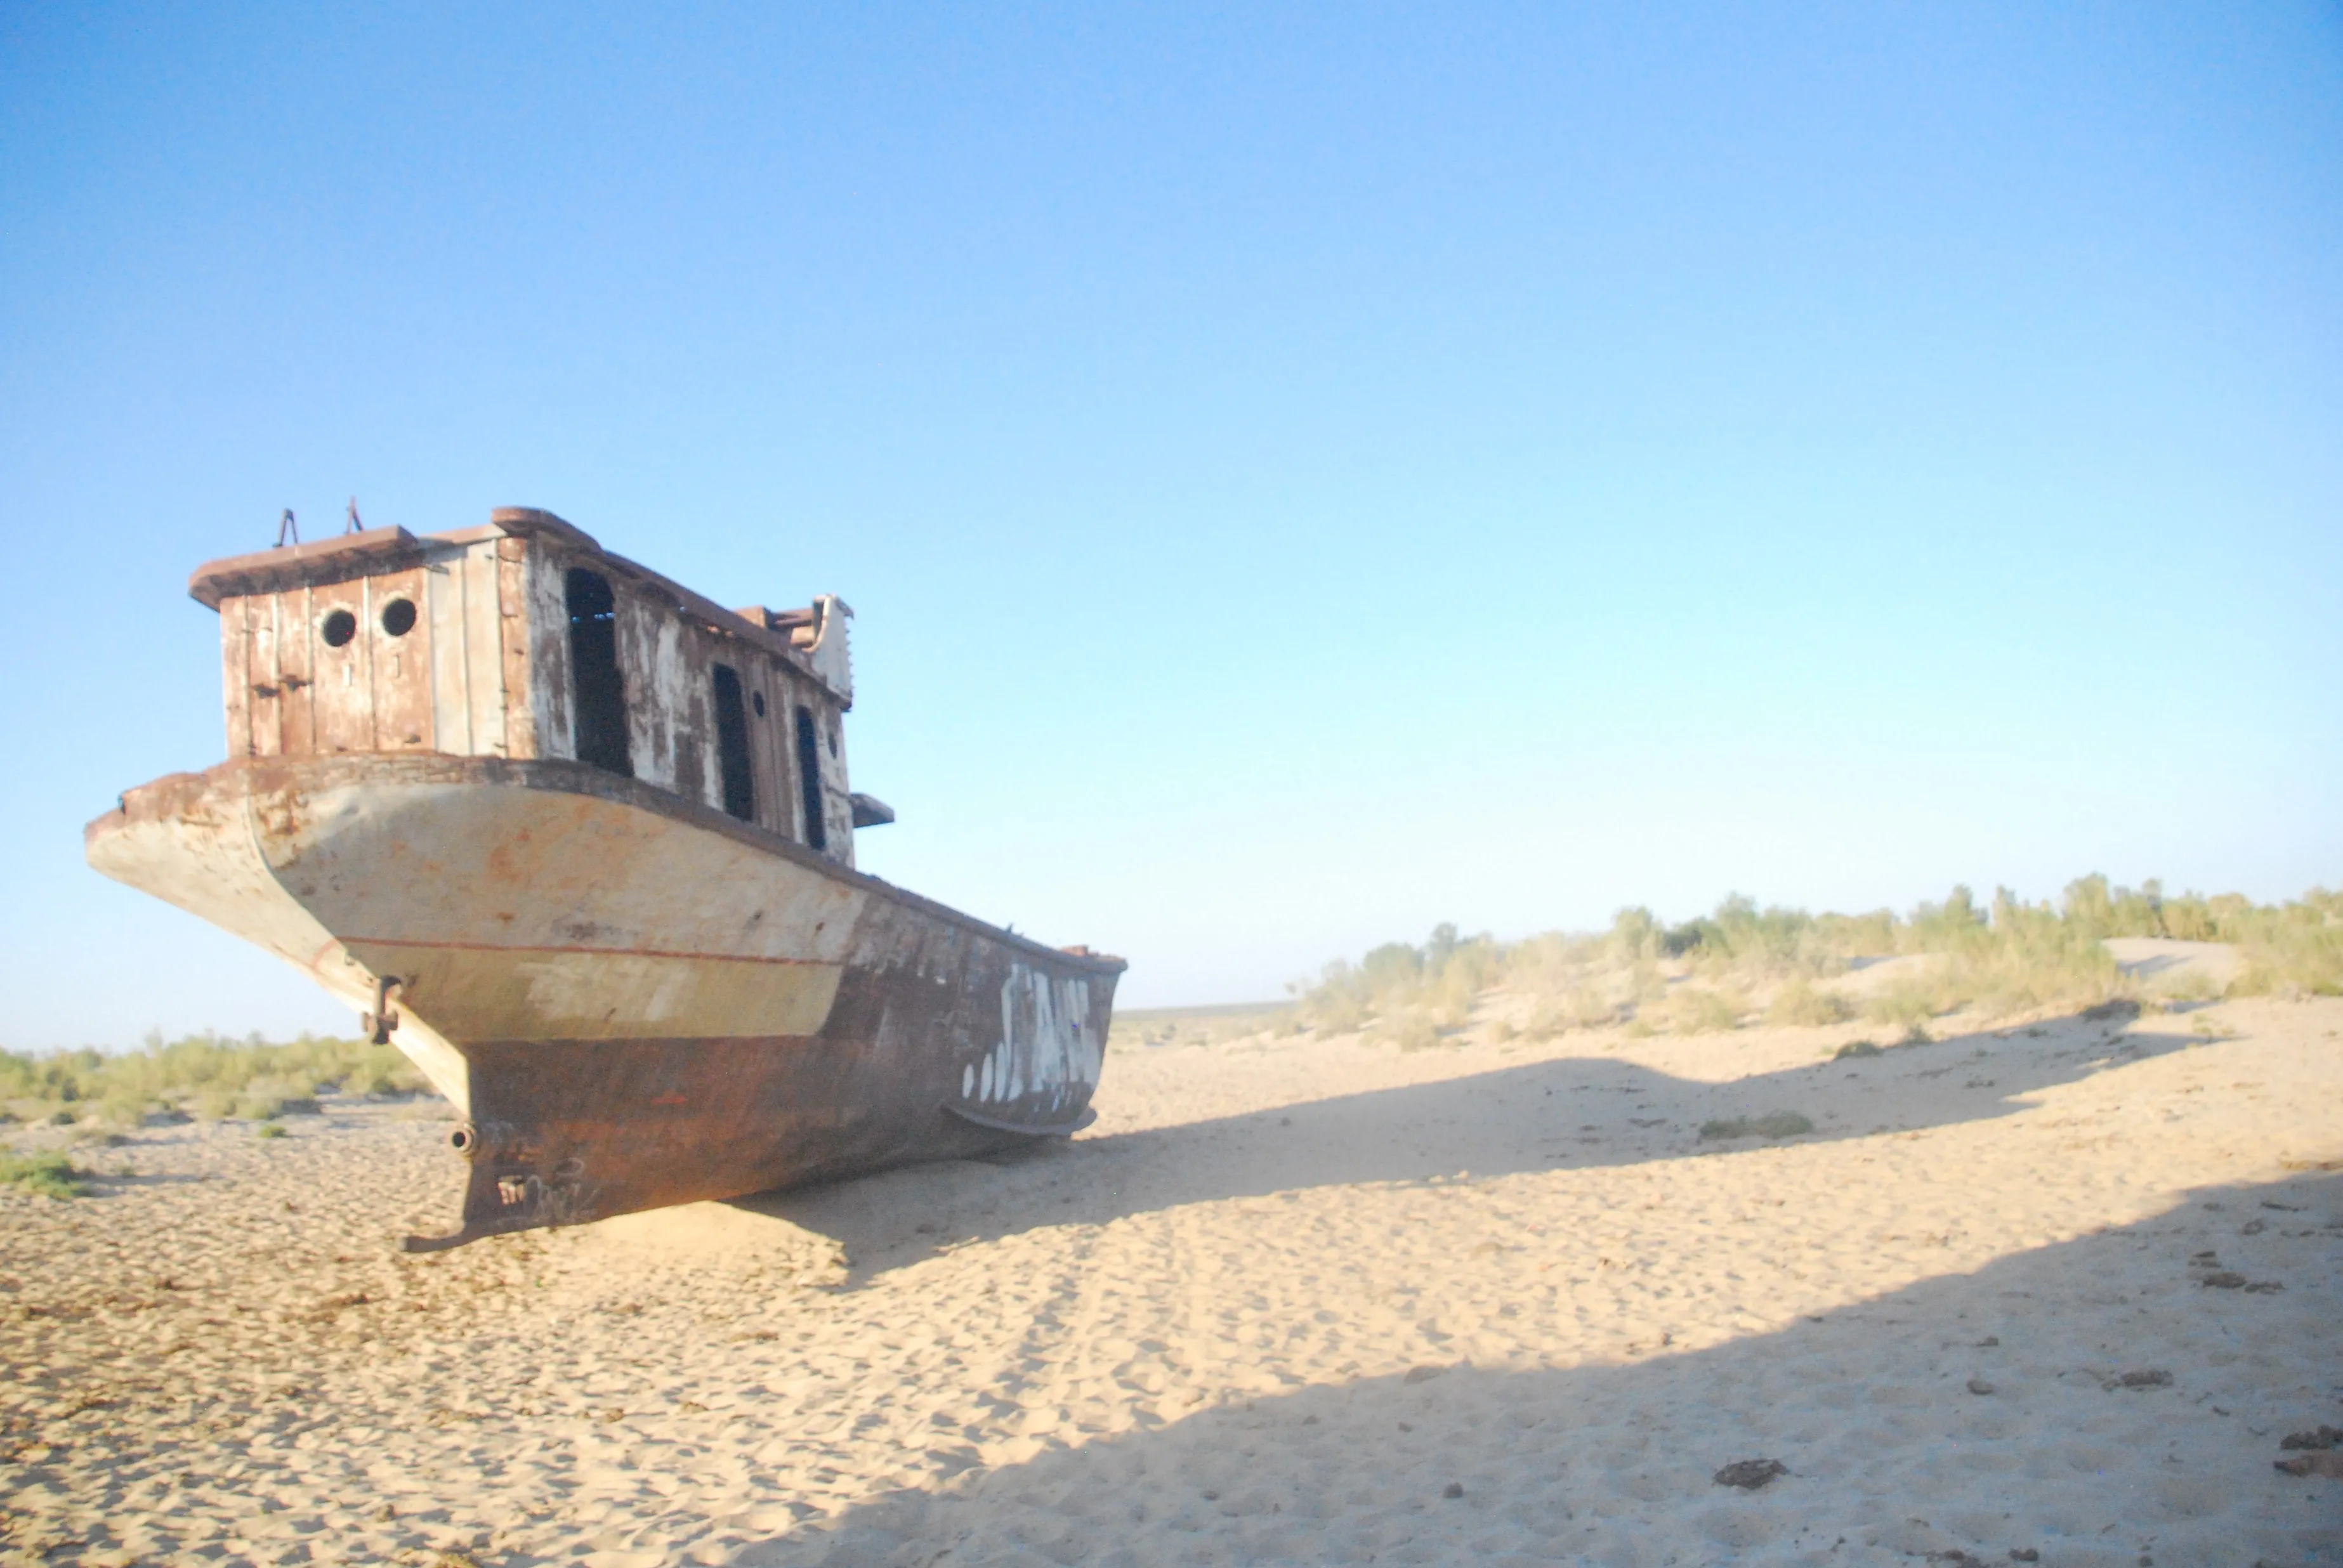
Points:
[601,705]
[732,746]
[809,779]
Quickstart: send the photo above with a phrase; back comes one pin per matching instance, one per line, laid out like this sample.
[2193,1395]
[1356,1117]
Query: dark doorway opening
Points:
[809,779]
[732,746]
[600,693]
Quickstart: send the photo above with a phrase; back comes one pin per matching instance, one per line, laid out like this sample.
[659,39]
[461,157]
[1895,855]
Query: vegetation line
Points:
[204,1077]
[1742,964]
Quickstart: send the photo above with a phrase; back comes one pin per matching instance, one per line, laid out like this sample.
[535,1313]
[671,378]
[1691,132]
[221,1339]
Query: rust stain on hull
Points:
[543,843]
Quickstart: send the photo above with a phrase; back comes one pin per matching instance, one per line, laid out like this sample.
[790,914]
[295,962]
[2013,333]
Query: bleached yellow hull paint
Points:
[520,993]
[505,914]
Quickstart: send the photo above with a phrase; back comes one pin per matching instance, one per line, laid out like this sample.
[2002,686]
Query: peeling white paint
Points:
[1047,1049]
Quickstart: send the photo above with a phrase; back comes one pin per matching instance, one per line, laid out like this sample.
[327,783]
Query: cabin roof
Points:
[376,551]
[291,565]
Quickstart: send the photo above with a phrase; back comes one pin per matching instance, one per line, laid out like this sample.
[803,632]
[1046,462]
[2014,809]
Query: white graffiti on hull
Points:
[1049,1052]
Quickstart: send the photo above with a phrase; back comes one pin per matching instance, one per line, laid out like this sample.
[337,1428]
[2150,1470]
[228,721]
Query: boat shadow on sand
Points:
[2086,1403]
[1566,1113]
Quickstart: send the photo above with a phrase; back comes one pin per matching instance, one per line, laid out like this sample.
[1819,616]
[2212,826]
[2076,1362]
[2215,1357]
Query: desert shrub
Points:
[1855,1048]
[1906,1004]
[2094,910]
[1773,1124]
[2294,947]
[270,1130]
[124,1108]
[1691,936]
[1440,978]
[1695,1010]
[2191,918]
[59,1078]
[207,1074]
[2190,986]
[266,1099]
[2014,956]
[1411,1030]
[1873,935]
[1953,926]
[1450,996]
[1799,1005]
[1550,963]
[49,1175]
[1588,1010]
[1635,937]
[1771,938]
[1338,1013]
[1578,1008]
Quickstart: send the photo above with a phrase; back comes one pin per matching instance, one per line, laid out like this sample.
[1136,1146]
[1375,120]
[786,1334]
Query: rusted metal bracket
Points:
[376,1025]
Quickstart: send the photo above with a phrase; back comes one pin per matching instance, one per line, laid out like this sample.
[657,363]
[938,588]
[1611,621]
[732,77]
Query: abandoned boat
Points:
[579,843]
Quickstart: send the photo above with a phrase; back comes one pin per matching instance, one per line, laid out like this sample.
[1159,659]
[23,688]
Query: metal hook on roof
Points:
[356,526]
[288,526]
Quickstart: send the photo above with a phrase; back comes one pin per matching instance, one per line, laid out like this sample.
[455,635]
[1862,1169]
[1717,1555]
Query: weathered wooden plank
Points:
[296,660]
[401,661]
[524,737]
[343,693]
[451,706]
[236,684]
[483,651]
[264,689]
[768,700]
[552,685]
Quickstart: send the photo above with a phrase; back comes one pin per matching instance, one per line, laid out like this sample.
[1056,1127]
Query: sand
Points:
[2061,1289]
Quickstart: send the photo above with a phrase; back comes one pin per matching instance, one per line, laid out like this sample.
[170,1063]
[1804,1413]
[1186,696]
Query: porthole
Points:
[756,701]
[338,627]
[398,617]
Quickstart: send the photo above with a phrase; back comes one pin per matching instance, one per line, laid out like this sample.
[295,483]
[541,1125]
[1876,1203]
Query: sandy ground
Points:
[2058,1290]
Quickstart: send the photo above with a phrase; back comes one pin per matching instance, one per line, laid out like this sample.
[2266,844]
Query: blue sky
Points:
[1303,474]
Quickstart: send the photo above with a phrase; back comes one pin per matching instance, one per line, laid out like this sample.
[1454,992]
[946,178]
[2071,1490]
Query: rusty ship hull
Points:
[631,998]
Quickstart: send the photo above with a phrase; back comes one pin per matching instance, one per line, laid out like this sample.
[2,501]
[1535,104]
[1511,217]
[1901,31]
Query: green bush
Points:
[49,1175]
[1440,978]
[2297,946]
[205,1075]
[2012,956]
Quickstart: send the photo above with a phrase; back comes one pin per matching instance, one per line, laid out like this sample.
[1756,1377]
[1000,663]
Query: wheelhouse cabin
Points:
[526,639]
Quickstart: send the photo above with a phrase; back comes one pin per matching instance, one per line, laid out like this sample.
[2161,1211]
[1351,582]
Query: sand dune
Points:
[1288,1300]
